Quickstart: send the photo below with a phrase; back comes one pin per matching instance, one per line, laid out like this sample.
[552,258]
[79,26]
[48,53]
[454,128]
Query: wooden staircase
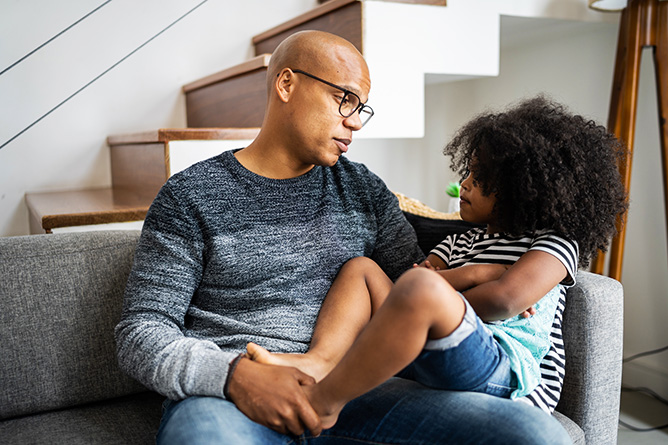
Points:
[224,111]
[461,45]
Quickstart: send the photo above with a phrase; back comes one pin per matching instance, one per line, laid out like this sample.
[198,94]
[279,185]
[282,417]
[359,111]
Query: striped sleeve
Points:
[444,249]
[564,250]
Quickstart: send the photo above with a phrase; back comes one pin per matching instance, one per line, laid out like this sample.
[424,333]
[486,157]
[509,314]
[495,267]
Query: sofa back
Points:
[60,299]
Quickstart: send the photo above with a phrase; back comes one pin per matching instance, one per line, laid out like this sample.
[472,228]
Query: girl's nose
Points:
[466,182]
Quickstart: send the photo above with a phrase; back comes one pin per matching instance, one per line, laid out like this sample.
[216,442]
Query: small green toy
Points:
[453,189]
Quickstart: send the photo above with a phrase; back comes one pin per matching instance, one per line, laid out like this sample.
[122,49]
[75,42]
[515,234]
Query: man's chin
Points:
[331,161]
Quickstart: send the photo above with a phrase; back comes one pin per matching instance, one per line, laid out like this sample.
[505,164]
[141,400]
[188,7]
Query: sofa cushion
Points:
[431,231]
[128,420]
[431,226]
[60,298]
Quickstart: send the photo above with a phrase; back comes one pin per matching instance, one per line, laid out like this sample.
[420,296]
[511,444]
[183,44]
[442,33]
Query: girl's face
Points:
[474,206]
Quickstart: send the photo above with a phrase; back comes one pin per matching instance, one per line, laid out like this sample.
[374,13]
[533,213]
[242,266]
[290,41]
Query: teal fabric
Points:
[526,341]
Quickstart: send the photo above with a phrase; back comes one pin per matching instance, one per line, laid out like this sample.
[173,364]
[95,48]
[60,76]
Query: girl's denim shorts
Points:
[469,359]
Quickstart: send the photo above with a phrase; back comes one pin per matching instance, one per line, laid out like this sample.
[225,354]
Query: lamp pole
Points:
[644,23]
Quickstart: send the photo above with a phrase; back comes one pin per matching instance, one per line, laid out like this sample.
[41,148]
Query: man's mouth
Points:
[343,144]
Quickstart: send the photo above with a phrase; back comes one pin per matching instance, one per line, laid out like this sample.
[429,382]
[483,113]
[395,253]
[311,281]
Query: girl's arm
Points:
[520,287]
[432,262]
[465,277]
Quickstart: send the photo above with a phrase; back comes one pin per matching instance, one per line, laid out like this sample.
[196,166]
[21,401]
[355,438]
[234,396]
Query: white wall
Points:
[66,150]
[645,258]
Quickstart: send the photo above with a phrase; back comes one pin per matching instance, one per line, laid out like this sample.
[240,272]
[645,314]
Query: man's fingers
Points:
[298,417]
[310,418]
[289,424]
[312,422]
[307,415]
[303,378]
[273,396]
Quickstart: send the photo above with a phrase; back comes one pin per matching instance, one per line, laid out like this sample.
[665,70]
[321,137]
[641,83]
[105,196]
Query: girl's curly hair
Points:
[549,169]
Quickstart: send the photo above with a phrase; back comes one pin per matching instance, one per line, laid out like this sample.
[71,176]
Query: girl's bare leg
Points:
[420,306]
[356,294]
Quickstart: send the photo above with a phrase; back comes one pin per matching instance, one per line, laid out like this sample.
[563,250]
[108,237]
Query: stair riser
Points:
[235,102]
[139,167]
[345,21]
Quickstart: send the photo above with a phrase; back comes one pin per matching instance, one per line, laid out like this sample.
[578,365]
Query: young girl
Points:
[484,312]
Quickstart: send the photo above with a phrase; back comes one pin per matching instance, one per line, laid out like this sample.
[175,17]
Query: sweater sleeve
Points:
[396,248]
[166,272]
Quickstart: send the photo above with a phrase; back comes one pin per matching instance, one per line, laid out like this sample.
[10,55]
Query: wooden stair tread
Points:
[128,199]
[142,161]
[183,134]
[416,2]
[257,62]
[50,210]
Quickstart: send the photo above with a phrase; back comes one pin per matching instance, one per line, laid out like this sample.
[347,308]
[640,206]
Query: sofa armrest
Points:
[592,329]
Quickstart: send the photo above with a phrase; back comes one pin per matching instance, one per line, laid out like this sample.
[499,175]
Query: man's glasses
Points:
[350,102]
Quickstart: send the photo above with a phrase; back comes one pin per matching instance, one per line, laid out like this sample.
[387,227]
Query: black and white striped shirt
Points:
[478,247]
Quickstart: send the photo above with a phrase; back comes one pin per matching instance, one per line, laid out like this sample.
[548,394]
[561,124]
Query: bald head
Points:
[316,52]
[309,76]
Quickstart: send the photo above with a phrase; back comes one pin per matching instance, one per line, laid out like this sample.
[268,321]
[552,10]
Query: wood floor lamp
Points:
[644,23]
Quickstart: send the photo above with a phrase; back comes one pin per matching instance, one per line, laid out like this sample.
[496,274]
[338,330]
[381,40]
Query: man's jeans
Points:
[399,411]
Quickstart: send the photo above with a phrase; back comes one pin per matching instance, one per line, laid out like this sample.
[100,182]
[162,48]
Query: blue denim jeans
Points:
[399,411]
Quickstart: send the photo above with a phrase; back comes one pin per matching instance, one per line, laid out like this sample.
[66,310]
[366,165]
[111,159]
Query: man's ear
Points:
[284,84]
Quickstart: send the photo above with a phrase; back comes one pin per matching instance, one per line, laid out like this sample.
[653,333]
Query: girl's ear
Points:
[284,84]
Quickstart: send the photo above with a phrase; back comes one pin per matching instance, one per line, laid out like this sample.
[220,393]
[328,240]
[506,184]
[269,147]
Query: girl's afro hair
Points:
[549,169]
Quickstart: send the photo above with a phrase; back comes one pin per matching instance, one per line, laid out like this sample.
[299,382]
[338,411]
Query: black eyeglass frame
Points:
[361,106]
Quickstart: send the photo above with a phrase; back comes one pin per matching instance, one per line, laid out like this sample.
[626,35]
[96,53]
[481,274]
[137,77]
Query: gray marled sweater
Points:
[227,257]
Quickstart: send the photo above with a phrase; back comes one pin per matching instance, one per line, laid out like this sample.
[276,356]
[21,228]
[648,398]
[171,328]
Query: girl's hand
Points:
[529,312]
[426,264]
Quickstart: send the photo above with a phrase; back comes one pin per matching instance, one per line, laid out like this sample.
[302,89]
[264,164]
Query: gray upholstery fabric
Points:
[576,433]
[593,327]
[126,421]
[60,299]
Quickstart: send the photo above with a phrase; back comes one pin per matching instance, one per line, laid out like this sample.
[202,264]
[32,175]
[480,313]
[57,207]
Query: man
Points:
[244,246]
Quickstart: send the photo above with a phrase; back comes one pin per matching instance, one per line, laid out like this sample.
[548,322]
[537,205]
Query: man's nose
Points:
[353,121]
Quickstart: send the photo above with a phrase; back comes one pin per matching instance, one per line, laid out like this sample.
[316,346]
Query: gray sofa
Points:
[61,296]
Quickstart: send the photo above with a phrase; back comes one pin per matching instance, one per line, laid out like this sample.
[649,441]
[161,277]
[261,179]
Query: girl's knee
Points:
[425,288]
[421,278]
